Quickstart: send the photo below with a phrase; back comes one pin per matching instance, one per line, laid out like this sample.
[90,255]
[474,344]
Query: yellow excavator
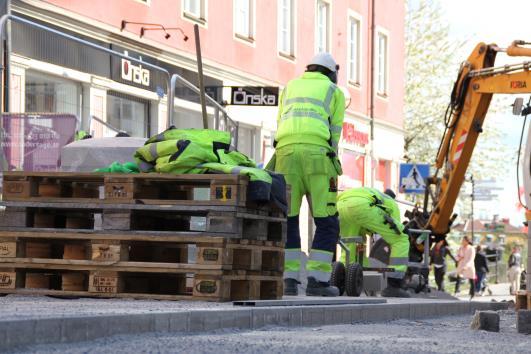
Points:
[477,81]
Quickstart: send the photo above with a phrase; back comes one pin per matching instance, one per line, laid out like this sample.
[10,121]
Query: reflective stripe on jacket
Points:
[311,111]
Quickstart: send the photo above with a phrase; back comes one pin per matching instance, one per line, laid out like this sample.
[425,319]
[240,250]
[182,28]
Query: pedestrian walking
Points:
[465,265]
[514,269]
[368,209]
[438,259]
[310,119]
[482,268]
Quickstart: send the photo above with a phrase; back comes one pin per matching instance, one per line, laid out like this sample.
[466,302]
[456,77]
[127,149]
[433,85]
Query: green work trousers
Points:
[310,172]
[356,215]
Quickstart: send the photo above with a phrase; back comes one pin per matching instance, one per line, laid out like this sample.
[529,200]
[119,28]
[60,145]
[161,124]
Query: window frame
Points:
[327,36]
[250,37]
[290,54]
[354,16]
[381,32]
[190,16]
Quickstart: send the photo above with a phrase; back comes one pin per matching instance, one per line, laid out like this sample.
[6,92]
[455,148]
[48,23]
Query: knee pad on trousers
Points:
[293,237]
[326,233]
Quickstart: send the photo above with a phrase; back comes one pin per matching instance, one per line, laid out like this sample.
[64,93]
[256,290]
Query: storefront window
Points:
[50,94]
[128,113]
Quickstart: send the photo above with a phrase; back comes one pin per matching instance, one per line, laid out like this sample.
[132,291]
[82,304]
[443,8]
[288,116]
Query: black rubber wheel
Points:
[337,278]
[354,280]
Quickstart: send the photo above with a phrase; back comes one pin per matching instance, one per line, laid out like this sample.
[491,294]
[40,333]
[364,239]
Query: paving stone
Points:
[523,321]
[97,327]
[20,333]
[486,320]
[179,322]
[313,316]
[72,329]
[240,319]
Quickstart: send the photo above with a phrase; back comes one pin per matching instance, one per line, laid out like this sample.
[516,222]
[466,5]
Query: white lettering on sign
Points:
[134,73]
[241,97]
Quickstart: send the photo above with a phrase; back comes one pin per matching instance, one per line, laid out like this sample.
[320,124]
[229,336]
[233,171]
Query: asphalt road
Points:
[443,335]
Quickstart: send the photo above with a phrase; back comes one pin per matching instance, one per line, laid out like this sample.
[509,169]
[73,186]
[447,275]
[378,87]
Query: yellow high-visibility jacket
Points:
[311,111]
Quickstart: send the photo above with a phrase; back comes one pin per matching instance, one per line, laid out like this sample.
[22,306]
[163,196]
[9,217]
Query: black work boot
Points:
[395,289]
[320,288]
[291,287]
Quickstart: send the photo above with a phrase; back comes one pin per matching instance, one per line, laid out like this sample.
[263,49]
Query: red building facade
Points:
[244,42]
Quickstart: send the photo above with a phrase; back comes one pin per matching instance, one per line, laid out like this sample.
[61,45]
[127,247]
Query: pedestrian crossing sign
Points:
[413,177]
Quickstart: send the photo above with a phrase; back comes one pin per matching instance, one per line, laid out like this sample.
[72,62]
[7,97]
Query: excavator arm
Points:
[477,81]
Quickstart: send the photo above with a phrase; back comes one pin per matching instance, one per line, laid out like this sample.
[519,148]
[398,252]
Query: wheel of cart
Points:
[337,278]
[348,277]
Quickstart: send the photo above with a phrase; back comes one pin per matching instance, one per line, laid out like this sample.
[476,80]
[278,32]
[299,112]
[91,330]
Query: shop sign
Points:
[134,73]
[254,96]
[353,136]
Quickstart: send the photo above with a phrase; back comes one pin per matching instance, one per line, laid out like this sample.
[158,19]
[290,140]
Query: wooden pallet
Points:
[523,300]
[229,221]
[142,285]
[122,249]
[143,188]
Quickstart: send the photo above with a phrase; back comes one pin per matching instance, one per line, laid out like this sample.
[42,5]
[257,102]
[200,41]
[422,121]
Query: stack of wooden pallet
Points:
[151,236]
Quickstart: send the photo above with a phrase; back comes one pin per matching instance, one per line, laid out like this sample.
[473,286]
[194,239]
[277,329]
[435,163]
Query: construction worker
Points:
[367,209]
[310,118]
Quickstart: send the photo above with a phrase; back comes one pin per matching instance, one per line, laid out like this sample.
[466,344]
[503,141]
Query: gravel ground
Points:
[16,307]
[442,335]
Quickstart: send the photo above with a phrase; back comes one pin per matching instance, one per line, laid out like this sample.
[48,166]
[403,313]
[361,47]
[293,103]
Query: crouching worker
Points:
[369,210]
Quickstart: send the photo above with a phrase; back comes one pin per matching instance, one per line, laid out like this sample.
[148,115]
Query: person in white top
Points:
[465,265]
[514,270]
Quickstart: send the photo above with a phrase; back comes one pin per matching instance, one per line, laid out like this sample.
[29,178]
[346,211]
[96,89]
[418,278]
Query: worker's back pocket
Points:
[286,161]
[315,164]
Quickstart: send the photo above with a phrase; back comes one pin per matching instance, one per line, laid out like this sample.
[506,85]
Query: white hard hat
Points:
[326,60]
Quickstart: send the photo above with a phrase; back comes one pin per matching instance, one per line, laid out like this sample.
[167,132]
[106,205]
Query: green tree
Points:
[432,62]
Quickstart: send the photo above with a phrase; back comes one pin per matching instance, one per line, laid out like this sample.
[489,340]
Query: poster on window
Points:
[33,142]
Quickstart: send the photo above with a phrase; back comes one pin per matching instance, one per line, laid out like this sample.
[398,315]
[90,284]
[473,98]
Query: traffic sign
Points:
[413,177]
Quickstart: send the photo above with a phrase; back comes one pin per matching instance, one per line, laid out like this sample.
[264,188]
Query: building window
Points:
[195,10]
[286,28]
[322,26]
[382,51]
[354,50]
[50,94]
[243,19]
[129,114]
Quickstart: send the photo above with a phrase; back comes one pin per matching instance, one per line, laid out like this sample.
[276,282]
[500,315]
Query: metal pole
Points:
[472,206]
[200,75]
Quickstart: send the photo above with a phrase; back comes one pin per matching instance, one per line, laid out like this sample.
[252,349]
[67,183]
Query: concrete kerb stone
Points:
[70,329]
[18,333]
[523,321]
[179,322]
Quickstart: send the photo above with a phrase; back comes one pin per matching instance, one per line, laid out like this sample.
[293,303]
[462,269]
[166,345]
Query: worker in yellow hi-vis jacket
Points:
[310,118]
[367,209]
